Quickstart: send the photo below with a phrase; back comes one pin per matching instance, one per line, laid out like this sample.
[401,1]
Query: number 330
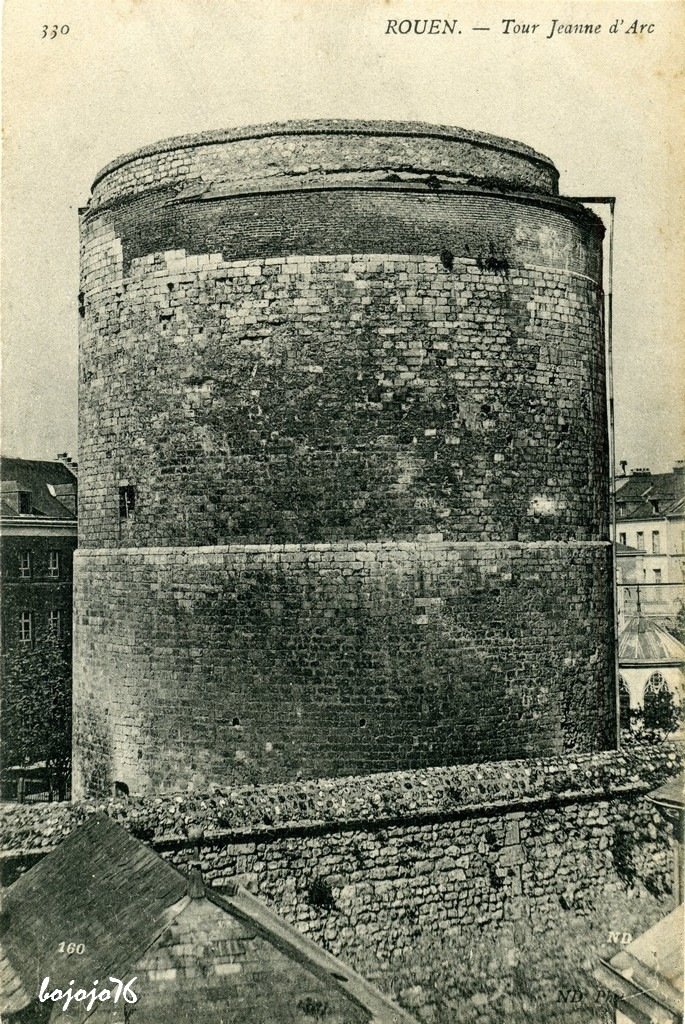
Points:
[51,31]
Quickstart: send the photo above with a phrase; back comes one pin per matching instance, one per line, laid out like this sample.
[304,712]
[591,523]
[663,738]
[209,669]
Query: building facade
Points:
[651,665]
[38,535]
[185,952]
[650,536]
[343,459]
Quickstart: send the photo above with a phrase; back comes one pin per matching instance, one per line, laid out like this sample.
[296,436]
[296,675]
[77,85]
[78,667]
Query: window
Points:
[656,683]
[55,623]
[658,703]
[622,538]
[25,503]
[620,509]
[640,541]
[24,564]
[53,563]
[127,501]
[26,628]
[657,575]
[656,543]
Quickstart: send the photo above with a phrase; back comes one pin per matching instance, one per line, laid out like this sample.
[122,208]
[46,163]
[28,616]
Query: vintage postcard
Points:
[342,511]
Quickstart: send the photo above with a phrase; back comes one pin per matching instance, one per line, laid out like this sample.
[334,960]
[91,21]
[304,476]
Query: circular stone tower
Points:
[343,471]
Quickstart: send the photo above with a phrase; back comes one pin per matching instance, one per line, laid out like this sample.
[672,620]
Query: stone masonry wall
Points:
[368,865]
[272,662]
[377,890]
[309,152]
[311,347]
[313,398]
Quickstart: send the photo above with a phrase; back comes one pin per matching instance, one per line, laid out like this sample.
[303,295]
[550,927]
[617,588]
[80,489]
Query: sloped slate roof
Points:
[34,475]
[13,995]
[672,793]
[6,509]
[625,549]
[101,887]
[644,641]
[641,489]
[105,889]
[233,960]
[648,973]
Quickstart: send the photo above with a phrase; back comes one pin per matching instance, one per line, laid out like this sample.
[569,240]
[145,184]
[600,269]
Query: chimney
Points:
[679,467]
[624,466]
[68,462]
[642,472]
[196,885]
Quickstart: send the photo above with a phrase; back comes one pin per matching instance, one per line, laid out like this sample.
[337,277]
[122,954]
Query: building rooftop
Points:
[624,550]
[672,793]
[330,126]
[50,489]
[644,641]
[645,495]
[648,974]
[192,950]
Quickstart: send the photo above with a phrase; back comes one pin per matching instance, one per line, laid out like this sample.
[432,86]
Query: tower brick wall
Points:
[343,459]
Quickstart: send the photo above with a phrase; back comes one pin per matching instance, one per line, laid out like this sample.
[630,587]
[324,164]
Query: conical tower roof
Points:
[644,641]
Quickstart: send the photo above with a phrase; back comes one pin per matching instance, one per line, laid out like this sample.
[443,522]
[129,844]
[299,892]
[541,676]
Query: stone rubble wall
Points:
[368,864]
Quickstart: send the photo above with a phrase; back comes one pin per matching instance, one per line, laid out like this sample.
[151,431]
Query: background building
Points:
[651,665]
[37,542]
[650,536]
[650,570]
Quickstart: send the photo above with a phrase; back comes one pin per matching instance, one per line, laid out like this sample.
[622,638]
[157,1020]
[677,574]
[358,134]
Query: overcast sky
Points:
[608,109]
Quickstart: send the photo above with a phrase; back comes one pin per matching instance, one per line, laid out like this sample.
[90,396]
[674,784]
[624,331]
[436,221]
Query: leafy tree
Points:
[660,716]
[36,709]
[661,711]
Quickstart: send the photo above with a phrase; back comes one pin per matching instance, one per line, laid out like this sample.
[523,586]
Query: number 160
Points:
[71,947]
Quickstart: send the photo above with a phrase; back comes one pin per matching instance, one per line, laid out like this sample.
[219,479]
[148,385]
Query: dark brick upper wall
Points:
[513,230]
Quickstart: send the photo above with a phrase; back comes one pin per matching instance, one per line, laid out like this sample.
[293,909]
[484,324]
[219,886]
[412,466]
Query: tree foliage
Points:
[36,709]
[658,718]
